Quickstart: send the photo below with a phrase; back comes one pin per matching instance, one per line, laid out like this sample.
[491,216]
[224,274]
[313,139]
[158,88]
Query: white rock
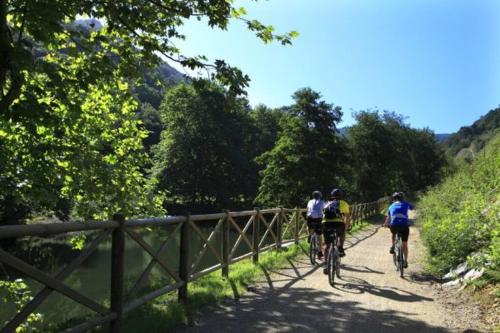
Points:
[452,283]
[461,269]
[473,274]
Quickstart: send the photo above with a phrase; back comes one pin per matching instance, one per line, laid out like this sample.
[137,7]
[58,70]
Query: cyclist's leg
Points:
[405,250]
[310,228]
[318,229]
[327,234]
[341,234]
[394,230]
[340,231]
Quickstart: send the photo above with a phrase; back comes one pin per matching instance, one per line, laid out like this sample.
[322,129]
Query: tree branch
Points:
[13,92]
[21,30]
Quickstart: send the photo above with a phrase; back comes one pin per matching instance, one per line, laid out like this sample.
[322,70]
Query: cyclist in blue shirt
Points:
[397,219]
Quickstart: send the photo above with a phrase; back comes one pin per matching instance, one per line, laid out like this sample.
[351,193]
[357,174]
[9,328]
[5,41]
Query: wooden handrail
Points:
[284,220]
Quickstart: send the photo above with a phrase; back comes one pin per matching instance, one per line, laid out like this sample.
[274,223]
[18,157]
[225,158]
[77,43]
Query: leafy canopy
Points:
[390,156]
[308,153]
[136,32]
[204,149]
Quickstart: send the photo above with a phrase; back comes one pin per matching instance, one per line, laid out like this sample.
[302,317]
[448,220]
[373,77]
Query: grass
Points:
[165,313]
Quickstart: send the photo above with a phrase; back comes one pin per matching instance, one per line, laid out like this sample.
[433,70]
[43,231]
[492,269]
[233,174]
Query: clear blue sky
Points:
[435,61]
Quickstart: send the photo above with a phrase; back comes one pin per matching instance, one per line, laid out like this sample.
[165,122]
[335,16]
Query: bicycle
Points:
[313,247]
[333,259]
[398,256]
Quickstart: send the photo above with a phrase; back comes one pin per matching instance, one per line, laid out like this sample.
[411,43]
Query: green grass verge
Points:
[165,313]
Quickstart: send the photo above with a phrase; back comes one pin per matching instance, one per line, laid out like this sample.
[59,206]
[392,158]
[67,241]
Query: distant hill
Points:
[439,137]
[470,139]
[164,72]
[442,137]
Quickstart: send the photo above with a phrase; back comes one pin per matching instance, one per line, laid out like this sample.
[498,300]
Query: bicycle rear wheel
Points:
[400,259]
[332,258]
[395,258]
[313,249]
[337,264]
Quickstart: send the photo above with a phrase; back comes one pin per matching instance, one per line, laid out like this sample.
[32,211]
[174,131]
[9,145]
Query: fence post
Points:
[279,228]
[117,266]
[297,226]
[256,236]
[225,245]
[184,260]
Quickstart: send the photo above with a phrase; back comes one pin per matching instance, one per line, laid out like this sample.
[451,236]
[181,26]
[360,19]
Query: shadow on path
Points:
[360,269]
[359,286]
[306,310]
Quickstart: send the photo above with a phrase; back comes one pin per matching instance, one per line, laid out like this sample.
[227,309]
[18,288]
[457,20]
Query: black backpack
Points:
[332,211]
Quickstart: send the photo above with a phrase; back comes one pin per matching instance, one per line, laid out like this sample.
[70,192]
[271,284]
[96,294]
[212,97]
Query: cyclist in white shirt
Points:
[314,217]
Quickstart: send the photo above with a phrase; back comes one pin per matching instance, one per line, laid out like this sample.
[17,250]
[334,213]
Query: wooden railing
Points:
[280,227]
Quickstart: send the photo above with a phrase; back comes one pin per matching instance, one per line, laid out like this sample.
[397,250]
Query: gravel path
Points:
[370,296]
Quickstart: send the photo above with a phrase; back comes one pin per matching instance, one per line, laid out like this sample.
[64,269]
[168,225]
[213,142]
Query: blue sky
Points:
[437,62]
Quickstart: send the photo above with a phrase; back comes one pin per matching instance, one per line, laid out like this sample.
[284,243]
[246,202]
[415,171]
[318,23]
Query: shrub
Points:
[462,214]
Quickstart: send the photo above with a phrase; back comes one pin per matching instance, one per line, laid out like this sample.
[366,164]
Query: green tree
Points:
[150,118]
[67,121]
[308,154]
[136,31]
[202,161]
[267,127]
[390,156]
[89,152]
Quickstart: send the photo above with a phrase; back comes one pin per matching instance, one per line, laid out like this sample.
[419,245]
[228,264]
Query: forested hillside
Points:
[462,215]
[469,140]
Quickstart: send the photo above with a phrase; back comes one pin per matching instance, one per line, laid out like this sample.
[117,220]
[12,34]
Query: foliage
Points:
[267,126]
[462,215]
[70,141]
[17,293]
[150,118]
[79,142]
[204,150]
[308,153]
[388,155]
[469,140]
[135,31]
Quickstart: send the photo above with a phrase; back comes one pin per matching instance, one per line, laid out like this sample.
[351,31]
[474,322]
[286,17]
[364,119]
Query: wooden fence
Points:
[280,227]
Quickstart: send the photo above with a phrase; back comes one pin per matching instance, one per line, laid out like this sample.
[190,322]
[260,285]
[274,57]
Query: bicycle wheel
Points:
[331,265]
[337,264]
[313,249]
[401,258]
[395,258]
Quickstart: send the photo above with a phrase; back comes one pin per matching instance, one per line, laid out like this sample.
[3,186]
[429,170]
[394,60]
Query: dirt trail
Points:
[370,297]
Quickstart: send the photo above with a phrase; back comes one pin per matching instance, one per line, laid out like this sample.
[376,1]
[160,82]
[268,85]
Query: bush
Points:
[462,215]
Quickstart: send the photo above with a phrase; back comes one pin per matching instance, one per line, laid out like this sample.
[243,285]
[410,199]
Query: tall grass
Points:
[462,215]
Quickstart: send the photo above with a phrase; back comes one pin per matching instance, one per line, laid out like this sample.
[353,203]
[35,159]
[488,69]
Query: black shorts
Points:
[330,227]
[314,224]
[405,231]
